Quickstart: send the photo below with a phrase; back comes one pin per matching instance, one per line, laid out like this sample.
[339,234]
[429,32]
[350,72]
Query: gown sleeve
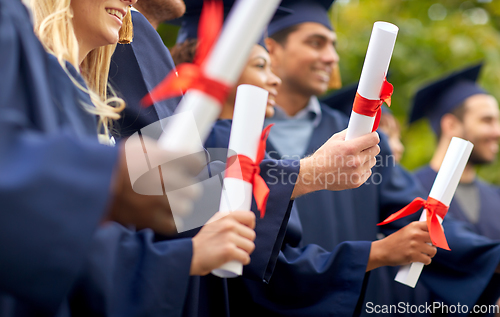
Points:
[46,218]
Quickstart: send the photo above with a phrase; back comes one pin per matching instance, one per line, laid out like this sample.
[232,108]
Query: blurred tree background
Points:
[435,38]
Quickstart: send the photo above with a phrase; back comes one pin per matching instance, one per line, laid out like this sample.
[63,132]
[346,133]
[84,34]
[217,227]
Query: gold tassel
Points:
[335,79]
[127,29]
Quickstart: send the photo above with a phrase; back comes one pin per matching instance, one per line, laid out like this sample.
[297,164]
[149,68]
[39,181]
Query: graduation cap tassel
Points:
[126,33]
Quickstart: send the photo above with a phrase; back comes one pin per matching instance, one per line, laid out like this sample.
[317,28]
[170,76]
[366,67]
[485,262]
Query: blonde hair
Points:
[54,27]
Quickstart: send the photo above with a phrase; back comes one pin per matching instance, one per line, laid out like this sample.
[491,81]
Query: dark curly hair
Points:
[184,52]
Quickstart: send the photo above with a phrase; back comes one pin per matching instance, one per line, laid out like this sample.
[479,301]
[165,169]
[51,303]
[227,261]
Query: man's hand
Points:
[407,245]
[144,203]
[338,164]
[223,240]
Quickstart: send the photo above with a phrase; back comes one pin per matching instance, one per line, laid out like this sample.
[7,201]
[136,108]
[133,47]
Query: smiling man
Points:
[457,107]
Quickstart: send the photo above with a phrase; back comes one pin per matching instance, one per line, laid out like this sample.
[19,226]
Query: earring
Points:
[126,33]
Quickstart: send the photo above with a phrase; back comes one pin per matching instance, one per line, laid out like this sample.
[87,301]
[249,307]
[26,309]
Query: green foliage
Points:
[462,33]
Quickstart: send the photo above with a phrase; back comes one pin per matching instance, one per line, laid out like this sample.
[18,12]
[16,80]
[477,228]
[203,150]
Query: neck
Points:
[151,19]
[83,51]
[469,173]
[291,101]
[227,111]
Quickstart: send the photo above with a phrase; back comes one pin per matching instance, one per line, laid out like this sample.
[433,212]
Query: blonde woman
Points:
[84,34]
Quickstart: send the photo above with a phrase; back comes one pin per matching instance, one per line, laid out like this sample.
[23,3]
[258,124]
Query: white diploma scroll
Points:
[378,57]
[248,120]
[443,189]
[244,25]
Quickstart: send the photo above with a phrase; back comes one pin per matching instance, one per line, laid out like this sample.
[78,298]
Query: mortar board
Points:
[444,95]
[189,21]
[302,11]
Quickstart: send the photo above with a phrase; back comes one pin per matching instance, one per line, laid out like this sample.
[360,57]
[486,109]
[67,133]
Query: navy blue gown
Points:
[137,68]
[48,172]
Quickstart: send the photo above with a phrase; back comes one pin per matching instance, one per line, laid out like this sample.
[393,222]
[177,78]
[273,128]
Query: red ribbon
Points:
[249,172]
[192,76]
[434,209]
[372,108]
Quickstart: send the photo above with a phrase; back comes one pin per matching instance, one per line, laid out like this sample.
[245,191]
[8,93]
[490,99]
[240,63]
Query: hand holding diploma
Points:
[242,176]
[225,238]
[340,164]
[436,206]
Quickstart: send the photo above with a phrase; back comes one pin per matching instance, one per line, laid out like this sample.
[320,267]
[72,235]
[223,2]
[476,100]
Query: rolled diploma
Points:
[242,29]
[443,189]
[378,57]
[248,120]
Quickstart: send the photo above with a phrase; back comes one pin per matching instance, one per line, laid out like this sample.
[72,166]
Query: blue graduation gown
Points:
[137,68]
[47,175]
[297,286]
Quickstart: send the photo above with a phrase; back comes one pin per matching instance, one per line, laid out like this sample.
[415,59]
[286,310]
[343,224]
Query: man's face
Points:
[305,61]
[481,126]
[162,10]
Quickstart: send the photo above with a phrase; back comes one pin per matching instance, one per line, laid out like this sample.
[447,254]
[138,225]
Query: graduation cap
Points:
[302,11]
[189,21]
[442,96]
[343,99]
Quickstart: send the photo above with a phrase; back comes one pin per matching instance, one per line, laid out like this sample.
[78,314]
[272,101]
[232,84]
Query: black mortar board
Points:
[189,21]
[302,11]
[442,96]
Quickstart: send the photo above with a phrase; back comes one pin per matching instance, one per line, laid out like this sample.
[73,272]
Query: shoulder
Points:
[219,136]
[332,114]
[487,186]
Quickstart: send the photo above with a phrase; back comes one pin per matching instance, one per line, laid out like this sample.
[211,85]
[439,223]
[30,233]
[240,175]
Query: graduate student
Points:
[302,50]
[456,106]
[57,184]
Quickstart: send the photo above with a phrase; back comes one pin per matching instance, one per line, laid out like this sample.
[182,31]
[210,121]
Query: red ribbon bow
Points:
[249,172]
[371,108]
[191,76]
[434,208]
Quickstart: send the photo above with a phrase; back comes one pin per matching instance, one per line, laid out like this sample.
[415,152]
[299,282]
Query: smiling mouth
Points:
[116,13]
[323,74]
